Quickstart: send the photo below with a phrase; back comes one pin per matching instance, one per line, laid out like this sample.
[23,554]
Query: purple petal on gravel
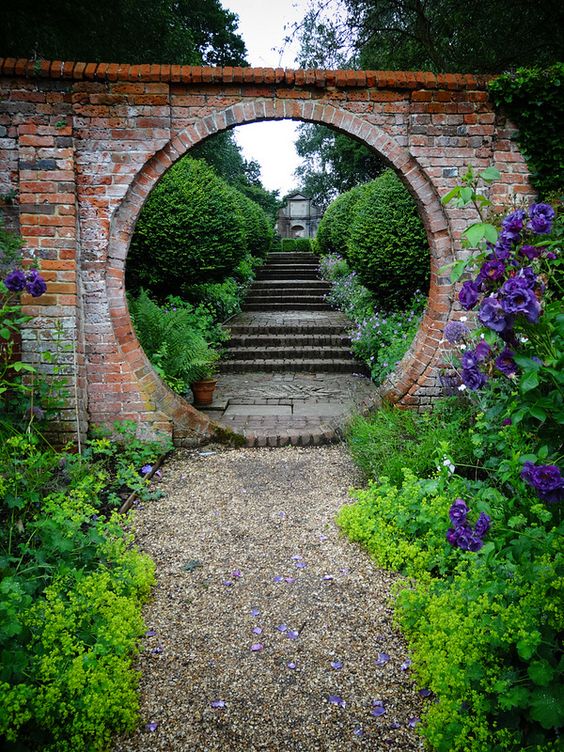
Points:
[257,630]
[217,703]
[255,611]
[327,577]
[227,583]
[278,578]
[412,723]
[152,726]
[378,711]
[157,650]
[282,515]
[425,692]
[291,634]
[301,565]
[395,725]
[337,700]
[291,665]
[236,573]
[296,557]
[289,580]
[358,731]
[344,570]
[322,537]
[257,647]
[382,659]
[336,665]
[150,633]
[406,664]
[281,627]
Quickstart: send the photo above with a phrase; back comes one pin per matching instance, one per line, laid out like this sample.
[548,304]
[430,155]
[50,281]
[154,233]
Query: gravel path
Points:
[245,540]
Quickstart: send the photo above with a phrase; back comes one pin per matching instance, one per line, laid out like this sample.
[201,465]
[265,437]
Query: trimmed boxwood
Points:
[387,244]
[191,229]
[335,226]
[257,229]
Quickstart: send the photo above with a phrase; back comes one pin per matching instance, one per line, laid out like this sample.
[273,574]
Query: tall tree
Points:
[485,36]
[332,163]
[128,31]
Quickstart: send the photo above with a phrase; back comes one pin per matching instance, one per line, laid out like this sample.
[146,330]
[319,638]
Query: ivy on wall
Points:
[534,100]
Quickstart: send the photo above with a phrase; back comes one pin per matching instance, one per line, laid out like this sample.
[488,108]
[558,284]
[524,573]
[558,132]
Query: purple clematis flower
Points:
[35,284]
[541,218]
[493,315]
[468,295]
[15,281]
[473,378]
[547,480]
[458,512]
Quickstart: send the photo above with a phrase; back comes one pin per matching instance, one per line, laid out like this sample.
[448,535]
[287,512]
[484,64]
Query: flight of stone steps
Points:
[286,325]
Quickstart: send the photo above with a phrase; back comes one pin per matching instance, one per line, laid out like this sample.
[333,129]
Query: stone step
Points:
[311,365]
[286,272]
[299,258]
[298,296]
[295,306]
[294,276]
[241,330]
[291,353]
[290,340]
[314,285]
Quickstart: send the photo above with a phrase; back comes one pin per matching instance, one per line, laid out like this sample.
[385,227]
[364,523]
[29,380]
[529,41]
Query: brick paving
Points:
[289,376]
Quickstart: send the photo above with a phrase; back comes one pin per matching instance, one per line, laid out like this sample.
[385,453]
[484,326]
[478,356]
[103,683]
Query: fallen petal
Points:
[412,723]
[152,726]
[281,627]
[395,725]
[257,647]
[227,583]
[327,577]
[236,573]
[296,557]
[291,634]
[405,665]
[278,578]
[300,565]
[378,711]
[322,537]
[382,659]
[358,731]
[291,665]
[336,665]
[150,633]
[157,650]
[290,580]
[257,630]
[255,611]
[217,703]
[425,692]
[336,700]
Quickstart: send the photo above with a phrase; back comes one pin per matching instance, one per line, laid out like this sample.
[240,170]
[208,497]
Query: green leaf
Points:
[529,381]
[541,673]
[19,366]
[480,231]
[547,707]
[451,194]
[527,645]
[466,195]
[457,270]
[538,412]
[5,333]
[490,174]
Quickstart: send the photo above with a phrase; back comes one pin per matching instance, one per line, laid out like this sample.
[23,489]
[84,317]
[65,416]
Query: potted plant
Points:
[203,379]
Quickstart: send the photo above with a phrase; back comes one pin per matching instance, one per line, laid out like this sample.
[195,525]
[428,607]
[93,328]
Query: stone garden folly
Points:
[82,145]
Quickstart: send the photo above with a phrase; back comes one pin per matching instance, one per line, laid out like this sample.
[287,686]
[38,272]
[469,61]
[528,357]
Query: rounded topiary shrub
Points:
[190,230]
[335,226]
[387,245]
[257,228]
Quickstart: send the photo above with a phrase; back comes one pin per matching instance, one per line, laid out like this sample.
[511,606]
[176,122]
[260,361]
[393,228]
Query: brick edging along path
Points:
[83,144]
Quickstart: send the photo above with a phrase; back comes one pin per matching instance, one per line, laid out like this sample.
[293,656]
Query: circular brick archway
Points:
[415,367]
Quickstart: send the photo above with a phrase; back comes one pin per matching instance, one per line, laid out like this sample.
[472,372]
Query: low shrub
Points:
[335,227]
[387,244]
[257,228]
[296,245]
[392,439]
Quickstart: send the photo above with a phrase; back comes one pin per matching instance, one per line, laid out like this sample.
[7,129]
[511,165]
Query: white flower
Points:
[462,387]
[462,347]
[464,318]
[448,464]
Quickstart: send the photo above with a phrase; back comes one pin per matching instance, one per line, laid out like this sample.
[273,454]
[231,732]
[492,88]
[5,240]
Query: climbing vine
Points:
[534,99]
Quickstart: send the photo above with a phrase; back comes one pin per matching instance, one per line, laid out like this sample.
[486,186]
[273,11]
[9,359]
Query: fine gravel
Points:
[245,542]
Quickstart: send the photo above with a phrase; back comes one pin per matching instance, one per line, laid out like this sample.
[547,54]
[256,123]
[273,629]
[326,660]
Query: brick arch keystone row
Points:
[83,144]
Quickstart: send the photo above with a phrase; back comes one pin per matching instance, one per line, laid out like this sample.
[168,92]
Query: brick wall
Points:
[83,144]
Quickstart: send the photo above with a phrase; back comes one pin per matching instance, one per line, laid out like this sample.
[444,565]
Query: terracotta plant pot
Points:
[203,391]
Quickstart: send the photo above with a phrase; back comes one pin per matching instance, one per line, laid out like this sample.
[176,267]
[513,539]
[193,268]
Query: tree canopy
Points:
[189,32]
[484,36]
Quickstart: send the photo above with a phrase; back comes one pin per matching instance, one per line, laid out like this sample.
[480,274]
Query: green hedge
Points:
[257,229]
[335,226]
[388,246]
[296,245]
[192,229]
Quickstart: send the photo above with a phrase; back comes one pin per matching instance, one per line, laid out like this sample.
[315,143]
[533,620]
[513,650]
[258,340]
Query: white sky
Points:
[261,25]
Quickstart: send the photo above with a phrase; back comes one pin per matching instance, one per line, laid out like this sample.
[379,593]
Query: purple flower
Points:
[469,359]
[458,512]
[474,542]
[257,630]
[464,536]
[336,665]
[482,350]
[514,221]
[217,703]
[546,480]
[152,726]
[452,535]
[528,276]
[382,659]
[517,298]
[412,723]
[35,284]
[505,363]
[493,315]
[291,665]
[468,295]
[541,218]
[530,252]
[15,281]
[257,647]
[491,271]
[291,634]
[455,331]
[482,524]
[473,378]
[336,700]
